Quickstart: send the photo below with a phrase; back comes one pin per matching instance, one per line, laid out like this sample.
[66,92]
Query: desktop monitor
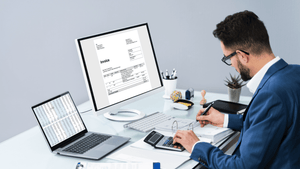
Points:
[119,67]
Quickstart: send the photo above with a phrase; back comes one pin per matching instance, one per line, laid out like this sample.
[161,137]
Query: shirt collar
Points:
[256,79]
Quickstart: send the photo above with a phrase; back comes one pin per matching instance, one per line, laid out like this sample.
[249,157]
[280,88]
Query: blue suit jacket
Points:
[270,126]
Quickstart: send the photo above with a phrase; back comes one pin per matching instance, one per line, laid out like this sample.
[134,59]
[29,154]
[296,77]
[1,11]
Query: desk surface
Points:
[30,148]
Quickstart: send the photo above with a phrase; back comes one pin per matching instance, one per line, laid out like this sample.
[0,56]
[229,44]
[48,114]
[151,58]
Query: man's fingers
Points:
[202,118]
[176,140]
[177,136]
[203,123]
[200,112]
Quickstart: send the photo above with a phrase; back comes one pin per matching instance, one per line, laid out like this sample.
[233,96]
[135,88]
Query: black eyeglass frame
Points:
[230,56]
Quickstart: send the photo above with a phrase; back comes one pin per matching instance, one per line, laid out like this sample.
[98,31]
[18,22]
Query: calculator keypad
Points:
[167,142]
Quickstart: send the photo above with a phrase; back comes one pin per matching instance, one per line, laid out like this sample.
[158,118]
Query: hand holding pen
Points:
[205,111]
[210,116]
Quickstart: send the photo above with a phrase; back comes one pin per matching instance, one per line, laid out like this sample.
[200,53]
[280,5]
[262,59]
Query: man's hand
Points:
[187,138]
[213,117]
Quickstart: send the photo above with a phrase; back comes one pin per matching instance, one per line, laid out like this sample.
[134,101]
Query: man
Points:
[270,126]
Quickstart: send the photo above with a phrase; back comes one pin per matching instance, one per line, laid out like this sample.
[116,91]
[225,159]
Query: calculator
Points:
[158,140]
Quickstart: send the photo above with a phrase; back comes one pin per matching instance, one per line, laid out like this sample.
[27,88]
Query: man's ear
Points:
[243,56]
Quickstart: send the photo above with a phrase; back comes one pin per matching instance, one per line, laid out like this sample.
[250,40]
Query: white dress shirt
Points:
[252,85]
[254,82]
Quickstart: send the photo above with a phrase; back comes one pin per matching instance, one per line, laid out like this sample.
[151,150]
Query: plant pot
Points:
[234,94]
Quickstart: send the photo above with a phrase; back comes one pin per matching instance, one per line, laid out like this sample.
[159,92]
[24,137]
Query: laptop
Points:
[66,133]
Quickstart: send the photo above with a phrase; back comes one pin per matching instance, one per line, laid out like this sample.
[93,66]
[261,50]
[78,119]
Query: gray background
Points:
[39,58]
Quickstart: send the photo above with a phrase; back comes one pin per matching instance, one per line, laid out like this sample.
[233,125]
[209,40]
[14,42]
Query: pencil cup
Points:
[170,86]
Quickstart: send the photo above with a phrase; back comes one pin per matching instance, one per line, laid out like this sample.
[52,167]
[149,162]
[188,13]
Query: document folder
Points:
[227,107]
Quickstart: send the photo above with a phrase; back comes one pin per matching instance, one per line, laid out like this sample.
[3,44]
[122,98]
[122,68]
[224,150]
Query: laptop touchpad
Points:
[106,147]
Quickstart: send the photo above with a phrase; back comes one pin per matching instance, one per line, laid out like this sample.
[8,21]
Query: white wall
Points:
[39,58]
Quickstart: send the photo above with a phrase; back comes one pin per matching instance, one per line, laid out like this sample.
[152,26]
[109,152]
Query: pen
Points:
[206,110]
[174,75]
[162,74]
[79,166]
[167,74]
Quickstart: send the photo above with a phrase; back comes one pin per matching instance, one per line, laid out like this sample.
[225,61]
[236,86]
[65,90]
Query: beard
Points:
[244,71]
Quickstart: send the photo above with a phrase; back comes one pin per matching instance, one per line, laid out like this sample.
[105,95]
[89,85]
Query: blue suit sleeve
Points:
[259,139]
[235,122]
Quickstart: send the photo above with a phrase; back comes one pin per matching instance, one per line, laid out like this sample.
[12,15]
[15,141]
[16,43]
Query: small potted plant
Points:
[234,84]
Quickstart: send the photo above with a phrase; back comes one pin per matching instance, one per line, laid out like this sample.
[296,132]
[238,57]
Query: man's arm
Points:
[213,117]
[265,127]
[216,118]
[235,122]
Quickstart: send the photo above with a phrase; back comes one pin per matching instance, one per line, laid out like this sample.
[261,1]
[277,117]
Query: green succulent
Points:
[235,82]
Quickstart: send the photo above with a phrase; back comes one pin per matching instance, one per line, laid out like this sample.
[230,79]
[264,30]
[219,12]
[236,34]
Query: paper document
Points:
[143,152]
[142,145]
[115,166]
[209,131]
[167,161]
[175,124]
[129,158]
[212,132]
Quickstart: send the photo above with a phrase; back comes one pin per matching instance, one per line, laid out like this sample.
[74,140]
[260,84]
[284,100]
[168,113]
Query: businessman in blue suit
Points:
[270,126]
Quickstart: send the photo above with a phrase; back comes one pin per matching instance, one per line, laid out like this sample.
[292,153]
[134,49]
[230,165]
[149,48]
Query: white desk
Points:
[30,150]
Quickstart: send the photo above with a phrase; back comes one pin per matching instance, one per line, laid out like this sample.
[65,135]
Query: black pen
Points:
[162,73]
[206,110]
[208,107]
[167,74]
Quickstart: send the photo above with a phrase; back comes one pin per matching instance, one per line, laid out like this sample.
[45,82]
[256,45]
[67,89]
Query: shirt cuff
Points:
[225,124]
[194,146]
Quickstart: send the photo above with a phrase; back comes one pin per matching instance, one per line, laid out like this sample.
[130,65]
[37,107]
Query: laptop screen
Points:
[59,118]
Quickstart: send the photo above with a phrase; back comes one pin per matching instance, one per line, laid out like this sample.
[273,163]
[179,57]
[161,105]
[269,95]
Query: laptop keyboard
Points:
[87,143]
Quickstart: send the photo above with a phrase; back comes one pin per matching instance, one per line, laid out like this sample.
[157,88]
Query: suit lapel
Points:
[271,71]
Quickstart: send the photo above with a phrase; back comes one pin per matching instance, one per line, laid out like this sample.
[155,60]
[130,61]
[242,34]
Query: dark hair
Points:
[244,31]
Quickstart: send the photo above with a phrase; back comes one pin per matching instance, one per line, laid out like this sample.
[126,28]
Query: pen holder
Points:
[170,86]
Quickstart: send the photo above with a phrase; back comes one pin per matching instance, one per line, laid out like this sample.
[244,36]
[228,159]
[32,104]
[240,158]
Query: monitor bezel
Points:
[115,106]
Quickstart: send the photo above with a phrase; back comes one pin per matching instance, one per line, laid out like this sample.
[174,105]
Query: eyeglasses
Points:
[227,60]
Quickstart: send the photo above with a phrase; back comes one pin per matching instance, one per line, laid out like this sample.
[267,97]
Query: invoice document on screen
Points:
[123,66]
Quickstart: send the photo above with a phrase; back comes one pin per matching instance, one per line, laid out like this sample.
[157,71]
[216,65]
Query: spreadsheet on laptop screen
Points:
[59,119]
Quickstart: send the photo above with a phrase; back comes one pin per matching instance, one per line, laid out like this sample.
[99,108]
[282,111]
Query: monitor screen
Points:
[119,66]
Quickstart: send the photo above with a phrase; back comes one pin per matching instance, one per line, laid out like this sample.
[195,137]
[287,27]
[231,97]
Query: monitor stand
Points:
[113,115]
